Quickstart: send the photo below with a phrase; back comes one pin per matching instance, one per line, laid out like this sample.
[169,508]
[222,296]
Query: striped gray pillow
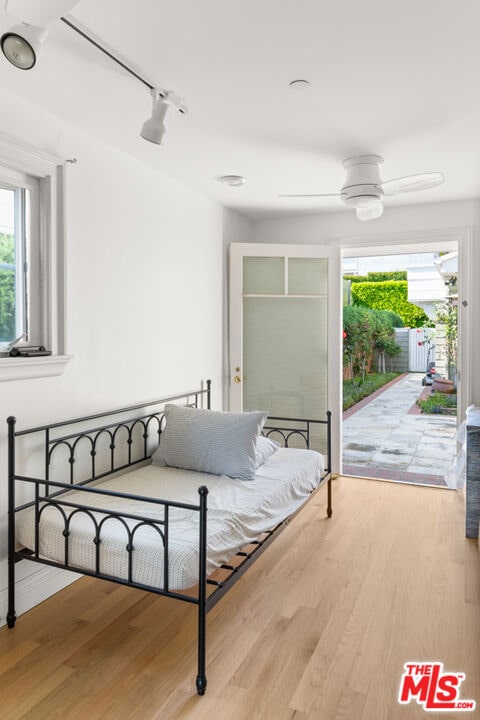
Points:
[210,441]
[265,449]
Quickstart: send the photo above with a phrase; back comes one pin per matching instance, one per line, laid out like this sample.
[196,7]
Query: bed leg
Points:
[201,683]
[201,680]
[11,615]
[202,592]
[329,497]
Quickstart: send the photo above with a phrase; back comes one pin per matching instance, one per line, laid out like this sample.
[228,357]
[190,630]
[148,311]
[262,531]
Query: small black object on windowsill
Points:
[29,351]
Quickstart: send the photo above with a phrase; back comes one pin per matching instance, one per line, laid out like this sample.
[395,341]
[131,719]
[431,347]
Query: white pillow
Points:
[265,449]
[210,441]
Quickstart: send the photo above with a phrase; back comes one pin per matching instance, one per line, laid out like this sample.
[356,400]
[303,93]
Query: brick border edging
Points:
[364,401]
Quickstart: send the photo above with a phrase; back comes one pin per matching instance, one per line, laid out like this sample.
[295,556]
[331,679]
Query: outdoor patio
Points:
[386,437]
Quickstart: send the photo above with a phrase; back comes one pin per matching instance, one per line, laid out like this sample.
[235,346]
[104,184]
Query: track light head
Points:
[154,128]
[21,45]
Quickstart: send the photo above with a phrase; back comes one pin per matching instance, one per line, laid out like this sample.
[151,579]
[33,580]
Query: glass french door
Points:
[285,331]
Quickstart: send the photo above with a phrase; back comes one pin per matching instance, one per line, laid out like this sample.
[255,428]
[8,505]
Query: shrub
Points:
[391,317]
[383,276]
[355,390]
[439,403]
[390,295]
[363,330]
[378,276]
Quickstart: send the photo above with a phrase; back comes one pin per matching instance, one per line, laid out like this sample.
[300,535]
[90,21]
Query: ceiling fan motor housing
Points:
[363,186]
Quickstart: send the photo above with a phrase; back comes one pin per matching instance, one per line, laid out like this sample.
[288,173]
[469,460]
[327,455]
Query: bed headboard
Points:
[96,445]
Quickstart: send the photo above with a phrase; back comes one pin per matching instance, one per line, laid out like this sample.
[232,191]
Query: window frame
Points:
[47,279]
[28,310]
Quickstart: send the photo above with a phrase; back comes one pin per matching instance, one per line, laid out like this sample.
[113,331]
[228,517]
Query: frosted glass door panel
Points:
[285,356]
[307,276]
[263,275]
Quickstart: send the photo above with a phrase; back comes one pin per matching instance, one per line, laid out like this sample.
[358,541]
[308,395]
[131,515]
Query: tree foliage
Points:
[446,314]
[7,288]
[364,330]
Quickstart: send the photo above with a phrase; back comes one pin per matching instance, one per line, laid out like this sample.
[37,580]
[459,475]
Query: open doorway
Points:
[400,357]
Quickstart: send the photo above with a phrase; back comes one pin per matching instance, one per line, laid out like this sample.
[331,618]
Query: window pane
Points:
[7,265]
[307,276]
[263,275]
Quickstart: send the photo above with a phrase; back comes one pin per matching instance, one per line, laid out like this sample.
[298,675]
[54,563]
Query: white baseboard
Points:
[34,587]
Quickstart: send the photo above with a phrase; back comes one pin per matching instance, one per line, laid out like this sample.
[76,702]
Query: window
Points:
[18,259]
[31,260]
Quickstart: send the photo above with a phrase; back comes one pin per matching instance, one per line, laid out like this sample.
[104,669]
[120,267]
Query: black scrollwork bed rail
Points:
[122,439]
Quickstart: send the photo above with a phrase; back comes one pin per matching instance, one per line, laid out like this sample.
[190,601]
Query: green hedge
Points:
[377,276]
[385,276]
[389,295]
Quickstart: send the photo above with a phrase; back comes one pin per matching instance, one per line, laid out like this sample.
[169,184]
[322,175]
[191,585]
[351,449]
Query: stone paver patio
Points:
[383,440]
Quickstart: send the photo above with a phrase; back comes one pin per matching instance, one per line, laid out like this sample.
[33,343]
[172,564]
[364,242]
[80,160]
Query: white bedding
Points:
[238,512]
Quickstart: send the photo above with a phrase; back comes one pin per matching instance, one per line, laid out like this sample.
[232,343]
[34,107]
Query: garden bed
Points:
[438,403]
[355,390]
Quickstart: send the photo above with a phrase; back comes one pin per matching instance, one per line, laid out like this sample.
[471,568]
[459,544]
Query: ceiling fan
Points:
[364,190]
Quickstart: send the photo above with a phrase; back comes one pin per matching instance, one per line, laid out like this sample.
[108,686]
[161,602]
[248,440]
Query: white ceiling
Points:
[400,79]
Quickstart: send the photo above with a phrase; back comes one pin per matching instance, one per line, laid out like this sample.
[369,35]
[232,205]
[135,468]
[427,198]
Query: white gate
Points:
[420,343]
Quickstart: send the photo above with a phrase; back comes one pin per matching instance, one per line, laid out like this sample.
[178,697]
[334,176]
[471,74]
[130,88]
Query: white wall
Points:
[397,224]
[144,277]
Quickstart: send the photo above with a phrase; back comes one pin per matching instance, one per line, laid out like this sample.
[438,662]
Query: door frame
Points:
[424,241]
[334,369]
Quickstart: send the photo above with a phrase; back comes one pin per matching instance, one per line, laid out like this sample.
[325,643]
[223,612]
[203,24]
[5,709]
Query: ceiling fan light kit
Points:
[364,190]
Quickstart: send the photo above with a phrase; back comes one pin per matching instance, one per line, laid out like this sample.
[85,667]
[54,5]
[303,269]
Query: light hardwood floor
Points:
[318,629]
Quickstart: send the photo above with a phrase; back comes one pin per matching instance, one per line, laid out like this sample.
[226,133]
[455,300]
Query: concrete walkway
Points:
[382,440]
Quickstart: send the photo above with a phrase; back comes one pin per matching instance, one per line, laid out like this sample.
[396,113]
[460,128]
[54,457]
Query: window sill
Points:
[32,367]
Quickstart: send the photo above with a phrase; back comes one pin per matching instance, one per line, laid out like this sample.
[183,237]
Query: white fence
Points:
[421,349]
[415,345]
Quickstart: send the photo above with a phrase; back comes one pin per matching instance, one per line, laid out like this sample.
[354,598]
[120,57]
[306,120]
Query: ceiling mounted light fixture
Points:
[299,84]
[154,128]
[22,43]
[232,180]
[21,46]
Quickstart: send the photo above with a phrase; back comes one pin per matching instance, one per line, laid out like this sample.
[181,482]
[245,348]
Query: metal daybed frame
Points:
[129,440]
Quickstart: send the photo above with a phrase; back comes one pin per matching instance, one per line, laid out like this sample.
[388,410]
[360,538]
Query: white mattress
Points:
[238,512]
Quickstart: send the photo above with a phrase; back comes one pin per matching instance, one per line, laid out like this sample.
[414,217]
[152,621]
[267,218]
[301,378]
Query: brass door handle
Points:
[237,379]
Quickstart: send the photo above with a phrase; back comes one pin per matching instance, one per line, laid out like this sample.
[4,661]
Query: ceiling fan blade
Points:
[312,195]
[370,212]
[412,183]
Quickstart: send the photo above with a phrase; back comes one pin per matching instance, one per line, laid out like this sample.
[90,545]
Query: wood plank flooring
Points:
[319,628]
